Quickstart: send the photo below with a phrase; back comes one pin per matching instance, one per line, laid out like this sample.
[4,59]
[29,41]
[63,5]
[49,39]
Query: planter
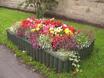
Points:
[50,59]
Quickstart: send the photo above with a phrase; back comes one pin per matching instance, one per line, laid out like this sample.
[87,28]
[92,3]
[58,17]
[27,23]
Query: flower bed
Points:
[51,42]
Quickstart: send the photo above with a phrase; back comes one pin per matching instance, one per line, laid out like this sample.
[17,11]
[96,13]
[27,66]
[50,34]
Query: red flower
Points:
[52,22]
[72,29]
[26,23]
[55,42]
[56,23]
[47,22]
[65,42]
[37,21]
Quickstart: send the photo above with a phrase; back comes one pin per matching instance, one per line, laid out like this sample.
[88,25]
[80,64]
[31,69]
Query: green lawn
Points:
[93,67]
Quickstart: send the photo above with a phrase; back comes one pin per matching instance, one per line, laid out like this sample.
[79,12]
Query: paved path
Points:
[10,68]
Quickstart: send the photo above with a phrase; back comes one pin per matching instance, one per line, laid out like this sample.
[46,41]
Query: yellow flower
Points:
[33,30]
[37,28]
[39,25]
[71,33]
[68,32]
[51,31]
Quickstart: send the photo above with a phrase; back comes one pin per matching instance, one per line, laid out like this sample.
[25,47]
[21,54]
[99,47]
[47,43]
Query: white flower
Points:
[76,60]
[11,29]
[71,59]
[73,64]
[23,51]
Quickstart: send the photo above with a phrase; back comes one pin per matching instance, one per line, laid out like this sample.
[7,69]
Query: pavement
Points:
[10,67]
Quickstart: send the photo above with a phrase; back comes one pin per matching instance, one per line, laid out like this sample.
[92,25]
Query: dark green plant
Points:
[40,6]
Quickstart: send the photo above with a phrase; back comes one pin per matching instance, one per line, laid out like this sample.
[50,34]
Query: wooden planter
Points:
[46,57]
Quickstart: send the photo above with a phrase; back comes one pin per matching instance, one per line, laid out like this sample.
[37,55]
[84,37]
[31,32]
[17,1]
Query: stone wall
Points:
[91,11]
[88,10]
[14,4]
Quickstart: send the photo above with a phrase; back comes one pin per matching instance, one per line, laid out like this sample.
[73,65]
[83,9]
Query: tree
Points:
[40,6]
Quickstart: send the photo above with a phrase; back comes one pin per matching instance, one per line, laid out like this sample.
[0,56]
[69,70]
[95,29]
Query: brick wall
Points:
[91,11]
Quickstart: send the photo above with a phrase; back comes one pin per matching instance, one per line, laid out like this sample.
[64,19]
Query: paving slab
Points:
[10,68]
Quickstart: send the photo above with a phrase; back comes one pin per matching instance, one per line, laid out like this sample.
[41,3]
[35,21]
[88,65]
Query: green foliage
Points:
[45,41]
[82,40]
[40,6]
[72,56]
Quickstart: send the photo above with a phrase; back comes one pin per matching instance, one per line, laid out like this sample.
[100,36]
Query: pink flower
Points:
[45,29]
[64,26]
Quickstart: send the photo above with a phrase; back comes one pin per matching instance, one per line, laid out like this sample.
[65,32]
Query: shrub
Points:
[40,6]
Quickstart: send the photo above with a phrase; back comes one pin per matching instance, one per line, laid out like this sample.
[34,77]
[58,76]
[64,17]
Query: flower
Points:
[39,25]
[57,31]
[51,30]
[68,31]
[37,28]
[72,29]
[33,30]
[27,23]
[45,29]
[64,26]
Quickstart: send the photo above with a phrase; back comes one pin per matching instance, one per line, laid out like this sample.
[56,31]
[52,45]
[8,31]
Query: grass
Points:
[93,67]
